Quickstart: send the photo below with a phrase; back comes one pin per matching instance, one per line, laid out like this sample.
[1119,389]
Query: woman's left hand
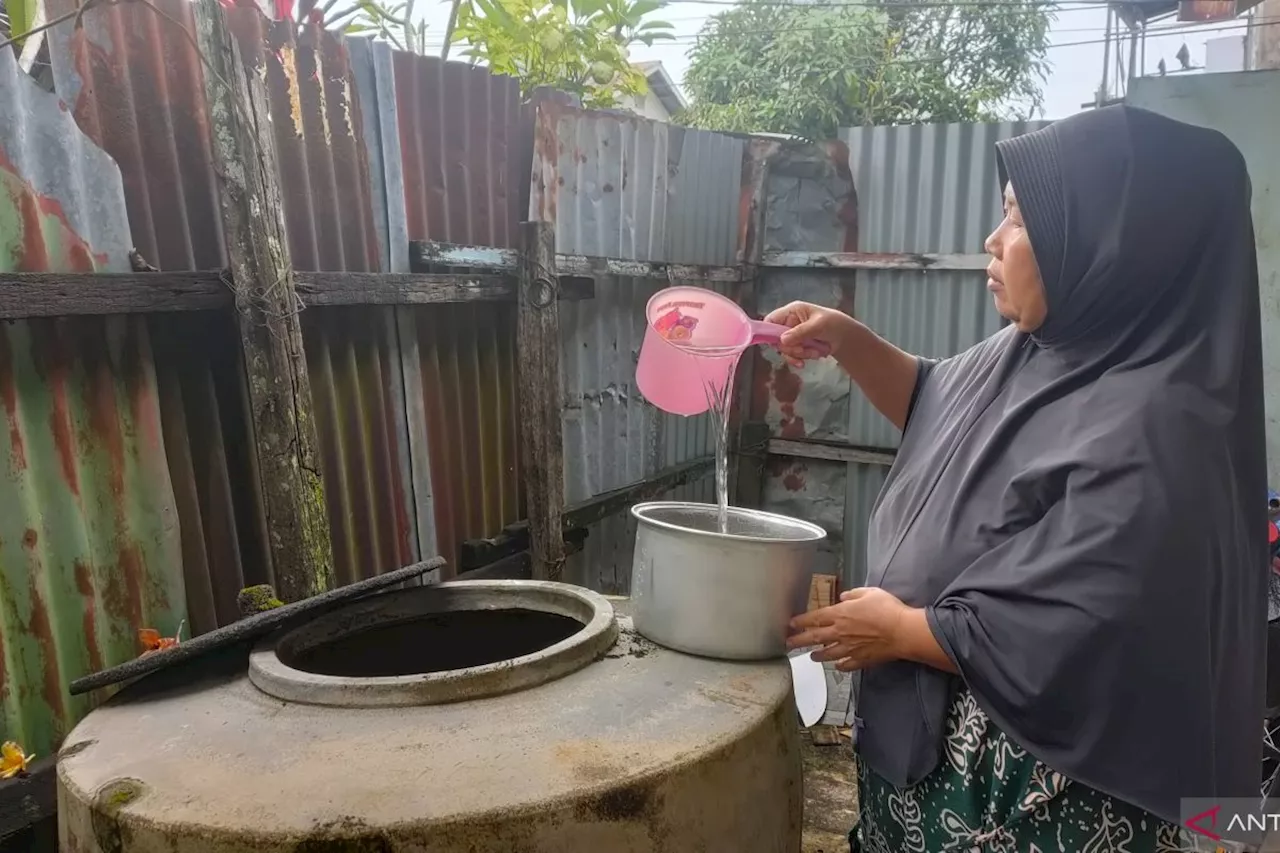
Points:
[863,630]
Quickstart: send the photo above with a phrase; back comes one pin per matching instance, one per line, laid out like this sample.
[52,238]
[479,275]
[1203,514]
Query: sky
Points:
[1073,80]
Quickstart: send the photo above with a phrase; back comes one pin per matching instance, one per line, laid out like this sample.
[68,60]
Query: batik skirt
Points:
[990,796]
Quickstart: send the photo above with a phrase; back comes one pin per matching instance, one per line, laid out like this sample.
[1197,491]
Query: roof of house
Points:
[663,86]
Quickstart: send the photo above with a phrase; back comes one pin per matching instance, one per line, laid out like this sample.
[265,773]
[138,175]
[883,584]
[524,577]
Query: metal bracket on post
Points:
[541,431]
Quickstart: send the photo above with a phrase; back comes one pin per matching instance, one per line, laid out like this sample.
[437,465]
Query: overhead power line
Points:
[1153,32]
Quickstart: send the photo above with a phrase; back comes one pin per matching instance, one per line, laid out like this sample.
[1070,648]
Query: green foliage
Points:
[17,18]
[578,47]
[809,69]
[392,21]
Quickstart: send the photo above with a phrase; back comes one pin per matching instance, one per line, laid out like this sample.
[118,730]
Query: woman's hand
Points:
[868,627]
[809,323]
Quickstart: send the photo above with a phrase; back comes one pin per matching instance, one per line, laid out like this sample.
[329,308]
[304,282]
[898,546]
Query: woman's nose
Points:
[991,244]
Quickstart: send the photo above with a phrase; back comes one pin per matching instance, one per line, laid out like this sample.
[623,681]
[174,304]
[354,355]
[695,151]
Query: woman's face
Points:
[1012,276]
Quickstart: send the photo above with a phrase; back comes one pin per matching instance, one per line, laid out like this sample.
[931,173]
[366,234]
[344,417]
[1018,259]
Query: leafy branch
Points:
[809,69]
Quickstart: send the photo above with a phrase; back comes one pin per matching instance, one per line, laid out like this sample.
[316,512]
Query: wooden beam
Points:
[576,517]
[827,261]
[426,254]
[38,294]
[34,294]
[346,288]
[266,300]
[833,450]
[519,566]
[541,431]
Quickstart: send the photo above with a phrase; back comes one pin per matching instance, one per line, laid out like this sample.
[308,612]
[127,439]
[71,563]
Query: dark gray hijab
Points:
[1081,510]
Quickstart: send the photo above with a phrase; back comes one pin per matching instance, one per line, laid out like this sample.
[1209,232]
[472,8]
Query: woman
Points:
[1062,631]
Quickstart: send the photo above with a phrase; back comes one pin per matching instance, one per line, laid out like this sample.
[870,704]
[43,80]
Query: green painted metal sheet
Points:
[89,544]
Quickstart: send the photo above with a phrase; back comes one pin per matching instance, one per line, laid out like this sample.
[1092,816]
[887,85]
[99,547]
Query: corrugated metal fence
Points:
[148,512]
[131,481]
[919,189]
[620,186]
[89,541]
[928,188]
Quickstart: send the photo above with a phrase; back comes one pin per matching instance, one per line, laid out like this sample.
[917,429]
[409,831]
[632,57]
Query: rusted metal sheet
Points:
[461,131]
[465,363]
[810,206]
[465,165]
[924,189]
[618,186]
[354,364]
[132,79]
[89,541]
[324,171]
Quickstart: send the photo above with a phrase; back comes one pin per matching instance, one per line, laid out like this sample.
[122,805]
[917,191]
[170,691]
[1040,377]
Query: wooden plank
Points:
[267,304]
[874,261]
[832,450]
[519,566]
[426,254]
[38,294]
[515,537]
[823,590]
[346,288]
[541,432]
[29,294]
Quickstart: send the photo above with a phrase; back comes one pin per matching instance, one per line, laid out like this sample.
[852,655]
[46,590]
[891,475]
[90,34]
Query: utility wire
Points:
[1152,32]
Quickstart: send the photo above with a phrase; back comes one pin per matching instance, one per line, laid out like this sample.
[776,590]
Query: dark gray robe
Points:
[1081,510]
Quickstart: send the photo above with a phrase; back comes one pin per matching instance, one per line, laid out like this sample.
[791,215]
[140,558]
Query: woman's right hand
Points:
[809,323]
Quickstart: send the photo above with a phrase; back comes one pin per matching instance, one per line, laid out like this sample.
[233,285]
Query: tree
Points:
[811,68]
[576,46]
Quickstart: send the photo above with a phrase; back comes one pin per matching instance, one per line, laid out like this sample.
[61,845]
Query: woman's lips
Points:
[993,283]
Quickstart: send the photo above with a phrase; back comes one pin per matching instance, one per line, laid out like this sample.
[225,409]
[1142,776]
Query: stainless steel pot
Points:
[720,595]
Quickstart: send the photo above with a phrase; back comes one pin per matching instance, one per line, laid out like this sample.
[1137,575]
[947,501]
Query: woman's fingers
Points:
[813,637]
[810,329]
[835,652]
[820,618]
[814,628]
[790,314]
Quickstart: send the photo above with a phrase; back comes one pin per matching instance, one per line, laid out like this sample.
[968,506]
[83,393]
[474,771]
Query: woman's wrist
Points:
[913,640]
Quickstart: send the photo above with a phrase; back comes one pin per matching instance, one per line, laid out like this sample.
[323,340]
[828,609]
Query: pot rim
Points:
[642,512]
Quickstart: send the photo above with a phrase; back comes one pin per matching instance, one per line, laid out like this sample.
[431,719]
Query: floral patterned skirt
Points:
[990,796]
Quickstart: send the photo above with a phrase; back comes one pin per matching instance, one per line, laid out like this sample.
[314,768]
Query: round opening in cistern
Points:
[437,642]
[453,642]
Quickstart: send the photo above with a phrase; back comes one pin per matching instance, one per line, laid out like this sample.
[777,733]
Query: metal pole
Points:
[1106,63]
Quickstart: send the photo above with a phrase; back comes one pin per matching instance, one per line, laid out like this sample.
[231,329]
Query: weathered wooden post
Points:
[541,432]
[267,305]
